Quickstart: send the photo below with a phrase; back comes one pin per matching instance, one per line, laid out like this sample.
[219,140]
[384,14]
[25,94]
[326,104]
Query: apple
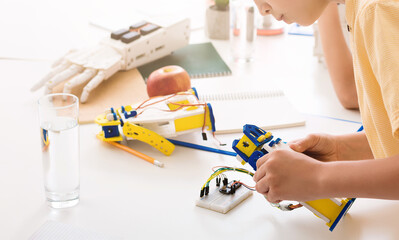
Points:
[168,80]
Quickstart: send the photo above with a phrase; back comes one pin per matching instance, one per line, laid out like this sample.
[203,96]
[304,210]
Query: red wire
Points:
[164,99]
[181,105]
[249,187]
[141,106]
[295,206]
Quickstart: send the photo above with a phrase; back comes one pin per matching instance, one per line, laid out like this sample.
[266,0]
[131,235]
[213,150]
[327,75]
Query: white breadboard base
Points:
[223,203]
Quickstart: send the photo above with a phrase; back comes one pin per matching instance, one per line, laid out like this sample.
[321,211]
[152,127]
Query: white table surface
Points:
[126,197]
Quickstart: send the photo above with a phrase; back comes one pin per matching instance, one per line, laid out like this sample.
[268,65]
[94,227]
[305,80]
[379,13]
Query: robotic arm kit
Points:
[157,118]
[256,143]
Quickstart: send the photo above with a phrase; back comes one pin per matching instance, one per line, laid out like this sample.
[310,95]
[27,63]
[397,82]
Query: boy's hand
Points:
[319,146]
[288,175]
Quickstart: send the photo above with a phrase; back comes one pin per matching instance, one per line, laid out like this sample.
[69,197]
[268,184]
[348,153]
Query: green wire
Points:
[224,169]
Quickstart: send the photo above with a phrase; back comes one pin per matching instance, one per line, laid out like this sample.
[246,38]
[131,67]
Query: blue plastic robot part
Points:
[130,114]
[111,131]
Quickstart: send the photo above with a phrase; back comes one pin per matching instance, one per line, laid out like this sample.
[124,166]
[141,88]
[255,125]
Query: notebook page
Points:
[268,109]
[244,95]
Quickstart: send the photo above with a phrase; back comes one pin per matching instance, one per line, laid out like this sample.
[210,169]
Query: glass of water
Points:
[242,30]
[59,130]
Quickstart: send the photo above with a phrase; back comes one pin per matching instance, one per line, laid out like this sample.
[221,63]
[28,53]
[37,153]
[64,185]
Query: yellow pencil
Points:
[138,154]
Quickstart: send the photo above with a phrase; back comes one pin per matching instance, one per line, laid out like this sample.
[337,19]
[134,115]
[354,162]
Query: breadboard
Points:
[223,203]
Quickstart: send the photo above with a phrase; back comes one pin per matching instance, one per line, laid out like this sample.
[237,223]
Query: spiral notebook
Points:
[269,109]
[200,60]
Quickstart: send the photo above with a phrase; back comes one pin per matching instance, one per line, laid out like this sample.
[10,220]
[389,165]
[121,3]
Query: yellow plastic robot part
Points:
[150,137]
[264,137]
[128,108]
[261,138]
[113,139]
[191,108]
[246,146]
[193,122]
[103,121]
[329,209]
[173,106]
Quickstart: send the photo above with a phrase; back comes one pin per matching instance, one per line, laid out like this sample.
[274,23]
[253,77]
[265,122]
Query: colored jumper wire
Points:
[143,107]
[221,170]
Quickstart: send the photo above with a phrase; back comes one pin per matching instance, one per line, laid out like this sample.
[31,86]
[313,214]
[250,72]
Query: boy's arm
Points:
[338,57]
[374,178]
[289,175]
[353,146]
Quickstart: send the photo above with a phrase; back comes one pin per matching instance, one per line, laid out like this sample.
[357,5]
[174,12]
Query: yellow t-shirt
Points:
[374,27]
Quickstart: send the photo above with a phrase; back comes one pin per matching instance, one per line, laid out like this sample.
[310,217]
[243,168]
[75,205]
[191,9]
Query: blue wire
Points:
[200,147]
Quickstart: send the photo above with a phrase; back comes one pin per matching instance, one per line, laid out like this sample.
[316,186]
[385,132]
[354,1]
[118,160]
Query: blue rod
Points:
[200,147]
[333,118]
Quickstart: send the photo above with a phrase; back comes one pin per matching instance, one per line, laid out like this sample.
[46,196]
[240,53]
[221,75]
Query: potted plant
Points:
[218,20]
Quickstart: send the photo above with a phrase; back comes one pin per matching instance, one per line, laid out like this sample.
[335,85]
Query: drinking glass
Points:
[59,130]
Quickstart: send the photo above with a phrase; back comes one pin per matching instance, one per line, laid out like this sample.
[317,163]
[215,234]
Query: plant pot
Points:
[217,23]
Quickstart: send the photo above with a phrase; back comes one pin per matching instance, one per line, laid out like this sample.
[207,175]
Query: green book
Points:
[199,60]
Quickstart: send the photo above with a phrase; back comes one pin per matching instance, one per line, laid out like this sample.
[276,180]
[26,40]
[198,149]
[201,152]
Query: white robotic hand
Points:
[92,66]
[126,49]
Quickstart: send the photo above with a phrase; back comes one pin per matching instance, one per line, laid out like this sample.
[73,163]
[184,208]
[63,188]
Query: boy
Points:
[362,164]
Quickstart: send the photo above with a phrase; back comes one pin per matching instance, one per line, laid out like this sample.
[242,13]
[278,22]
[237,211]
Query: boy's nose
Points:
[264,9]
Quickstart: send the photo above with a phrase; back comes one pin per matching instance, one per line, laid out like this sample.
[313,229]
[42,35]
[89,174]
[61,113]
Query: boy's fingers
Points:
[262,186]
[259,174]
[295,146]
[262,160]
[304,144]
[299,146]
[295,141]
[272,198]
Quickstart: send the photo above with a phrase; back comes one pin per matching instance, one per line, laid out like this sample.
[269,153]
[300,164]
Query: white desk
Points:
[126,197]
